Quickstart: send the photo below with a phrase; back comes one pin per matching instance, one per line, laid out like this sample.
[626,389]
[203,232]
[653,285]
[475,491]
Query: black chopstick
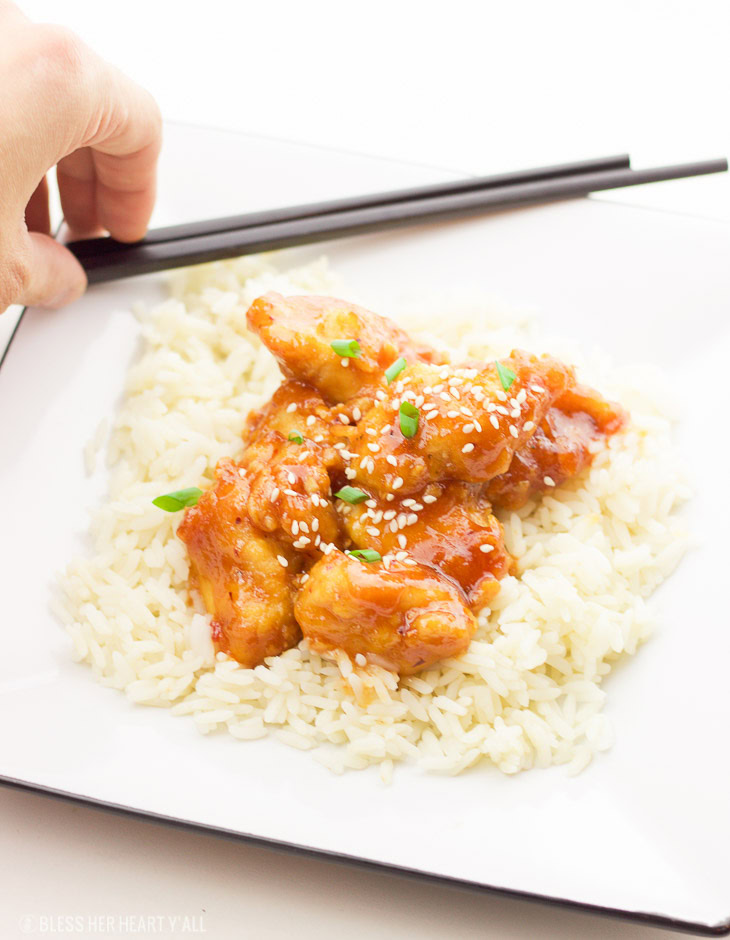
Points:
[106,260]
[232,223]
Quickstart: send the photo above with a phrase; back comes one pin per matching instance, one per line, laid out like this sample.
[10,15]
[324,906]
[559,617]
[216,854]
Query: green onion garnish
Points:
[351,494]
[174,502]
[297,438]
[408,419]
[365,554]
[506,375]
[394,370]
[349,348]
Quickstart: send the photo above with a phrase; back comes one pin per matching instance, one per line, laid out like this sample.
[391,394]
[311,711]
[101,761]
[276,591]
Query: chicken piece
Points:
[563,445]
[291,481]
[405,617]
[468,426]
[299,331]
[449,526]
[245,586]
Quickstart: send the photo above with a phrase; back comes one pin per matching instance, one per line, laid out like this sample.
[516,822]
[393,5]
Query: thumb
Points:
[53,276]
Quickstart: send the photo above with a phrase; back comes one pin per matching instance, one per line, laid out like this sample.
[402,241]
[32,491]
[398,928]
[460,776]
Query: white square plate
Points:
[644,832]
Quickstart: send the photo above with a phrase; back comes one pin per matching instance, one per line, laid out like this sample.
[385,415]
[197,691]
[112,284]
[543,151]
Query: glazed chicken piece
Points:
[562,446]
[468,426]
[299,331]
[404,618]
[291,481]
[244,585]
[449,526]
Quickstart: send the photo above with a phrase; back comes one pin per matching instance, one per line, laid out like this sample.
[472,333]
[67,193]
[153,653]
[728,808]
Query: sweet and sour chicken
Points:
[359,513]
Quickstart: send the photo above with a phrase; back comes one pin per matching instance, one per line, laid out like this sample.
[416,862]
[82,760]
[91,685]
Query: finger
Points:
[37,213]
[67,99]
[111,183]
[52,276]
[76,177]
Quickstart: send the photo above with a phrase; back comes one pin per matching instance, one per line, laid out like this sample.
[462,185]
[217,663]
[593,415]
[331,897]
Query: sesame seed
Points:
[303,527]
[289,492]
[412,518]
[502,410]
[310,421]
[371,465]
[417,507]
[467,448]
[343,418]
[274,493]
[513,431]
[340,445]
[402,541]
[295,528]
[410,561]
[393,526]
[432,414]
[389,514]
[389,497]
[494,421]
[444,374]
[428,498]
[478,426]
[386,562]
[372,530]
[548,481]
[537,388]
[455,394]
[521,396]
[502,396]
[515,413]
[282,561]
[444,397]
[303,456]
[344,362]
[401,519]
[371,431]
[360,659]
[380,395]
[397,483]
[491,406]
[419,401]
[292,407]
[291,478]
[304,579]
[391,460]
[373,448]
[529,425]
[452,414]
[301,542]
[317,540]
[370,503]
[349,473]
[378,517]
[315,525]
[242,473]
[356,414]
[407,502]
[486,548]
[468,428]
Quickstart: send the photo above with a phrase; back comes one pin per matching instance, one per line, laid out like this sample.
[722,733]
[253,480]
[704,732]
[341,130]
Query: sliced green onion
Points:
[408,419]
[351,494]
[394,370]
[506,375]
[174,502]
[349,348]
[365,554]
[296,437]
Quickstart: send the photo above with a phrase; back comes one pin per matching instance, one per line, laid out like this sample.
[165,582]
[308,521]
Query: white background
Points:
[474,86]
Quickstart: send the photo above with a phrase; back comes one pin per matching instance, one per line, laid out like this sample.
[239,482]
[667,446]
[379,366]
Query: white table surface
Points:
[476,86]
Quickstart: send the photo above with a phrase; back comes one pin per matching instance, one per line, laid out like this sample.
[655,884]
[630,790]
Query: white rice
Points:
[527,693]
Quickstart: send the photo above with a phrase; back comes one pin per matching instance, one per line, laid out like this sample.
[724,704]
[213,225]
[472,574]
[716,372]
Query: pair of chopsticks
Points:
[105,259]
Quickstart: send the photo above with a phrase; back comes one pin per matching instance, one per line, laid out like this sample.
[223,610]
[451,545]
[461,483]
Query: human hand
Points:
[60,104]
